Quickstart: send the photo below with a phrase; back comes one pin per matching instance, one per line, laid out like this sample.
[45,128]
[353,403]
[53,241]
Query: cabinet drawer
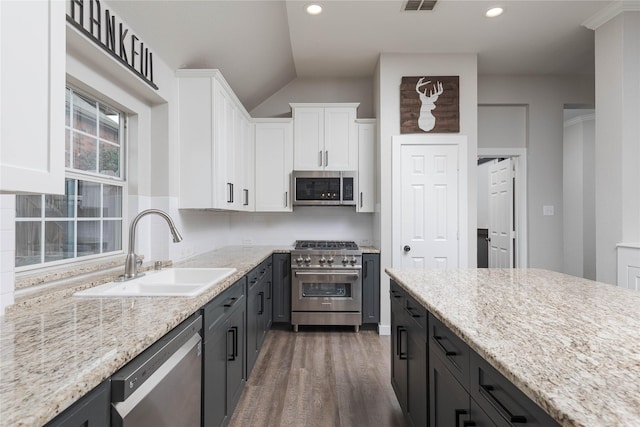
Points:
[253,277]
[412,308]
[501,400]
[91,410]
[450,348]
[263,270]
[217,308]
[396,293]
[417,312]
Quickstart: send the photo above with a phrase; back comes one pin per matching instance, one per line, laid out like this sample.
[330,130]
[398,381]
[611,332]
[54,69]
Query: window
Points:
[87,219]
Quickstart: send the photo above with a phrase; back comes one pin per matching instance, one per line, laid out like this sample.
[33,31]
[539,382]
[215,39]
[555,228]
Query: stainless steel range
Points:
[326,283]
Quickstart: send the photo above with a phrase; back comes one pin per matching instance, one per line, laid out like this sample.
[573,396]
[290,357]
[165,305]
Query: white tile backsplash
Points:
[304,223]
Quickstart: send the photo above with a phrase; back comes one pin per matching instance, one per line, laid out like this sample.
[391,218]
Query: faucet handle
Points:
[138,261]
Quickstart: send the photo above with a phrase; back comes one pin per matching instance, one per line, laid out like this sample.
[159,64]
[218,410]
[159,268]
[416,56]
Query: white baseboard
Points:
[384,329]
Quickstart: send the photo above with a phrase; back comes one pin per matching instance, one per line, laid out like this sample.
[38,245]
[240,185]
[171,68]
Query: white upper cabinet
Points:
[274,164]
[32,147]
[244,161]
[366,141]
[213,142]
[325,136]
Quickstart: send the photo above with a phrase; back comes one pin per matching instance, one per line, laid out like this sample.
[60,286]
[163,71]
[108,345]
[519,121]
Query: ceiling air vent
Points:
[415,5]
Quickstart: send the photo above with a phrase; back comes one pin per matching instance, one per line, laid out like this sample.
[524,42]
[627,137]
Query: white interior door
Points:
[501,214]
[429,206]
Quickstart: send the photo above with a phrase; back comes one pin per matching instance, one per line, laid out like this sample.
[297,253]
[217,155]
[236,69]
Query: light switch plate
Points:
[547,210]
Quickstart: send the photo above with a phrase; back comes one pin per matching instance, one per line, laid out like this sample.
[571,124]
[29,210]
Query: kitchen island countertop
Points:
[55,351]
[571,345]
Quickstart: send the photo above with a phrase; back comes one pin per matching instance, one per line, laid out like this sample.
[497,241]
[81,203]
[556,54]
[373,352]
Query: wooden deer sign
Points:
[430,104]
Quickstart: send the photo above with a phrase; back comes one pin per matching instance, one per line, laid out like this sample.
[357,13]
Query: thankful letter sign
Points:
[430,104]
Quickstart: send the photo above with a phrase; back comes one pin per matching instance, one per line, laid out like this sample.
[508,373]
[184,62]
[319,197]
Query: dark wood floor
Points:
[320,376]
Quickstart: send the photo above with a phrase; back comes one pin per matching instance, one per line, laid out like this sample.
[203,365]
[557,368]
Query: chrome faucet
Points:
[132,261]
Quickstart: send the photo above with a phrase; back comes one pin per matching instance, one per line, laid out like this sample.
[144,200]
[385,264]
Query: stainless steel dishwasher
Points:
[162,385]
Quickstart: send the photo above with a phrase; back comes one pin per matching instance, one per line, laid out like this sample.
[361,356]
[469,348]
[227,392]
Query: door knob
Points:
[406,248]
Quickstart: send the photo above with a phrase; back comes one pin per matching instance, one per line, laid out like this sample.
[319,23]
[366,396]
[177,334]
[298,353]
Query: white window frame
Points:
[93,177]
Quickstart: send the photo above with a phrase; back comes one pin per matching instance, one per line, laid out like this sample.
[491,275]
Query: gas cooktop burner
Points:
[325,245]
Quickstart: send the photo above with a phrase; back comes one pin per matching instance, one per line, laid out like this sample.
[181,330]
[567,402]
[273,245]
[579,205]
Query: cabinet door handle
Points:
[485,391]
[361,199]
[270,289]
[365,274]
[326,158]
[261,309]
[229,192]
[320,158]
[458,413]
[246,197]
[286,199]
[235,342]
[401,354]
[438,340]
[231,355]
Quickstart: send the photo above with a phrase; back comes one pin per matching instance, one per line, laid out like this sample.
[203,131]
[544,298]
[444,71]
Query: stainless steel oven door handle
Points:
[328,273]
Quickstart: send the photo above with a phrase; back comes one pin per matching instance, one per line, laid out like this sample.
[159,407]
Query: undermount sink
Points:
[176,282]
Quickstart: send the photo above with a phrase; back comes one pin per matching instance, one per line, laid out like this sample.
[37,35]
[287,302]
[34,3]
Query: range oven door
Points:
[326,290]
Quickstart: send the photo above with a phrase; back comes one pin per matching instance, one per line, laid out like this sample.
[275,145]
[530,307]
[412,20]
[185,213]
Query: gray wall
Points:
[617,151]
[579,196]
[356,89]
[545,98]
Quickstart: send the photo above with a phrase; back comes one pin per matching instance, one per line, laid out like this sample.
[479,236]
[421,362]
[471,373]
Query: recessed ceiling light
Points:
[314,9]
[493,12]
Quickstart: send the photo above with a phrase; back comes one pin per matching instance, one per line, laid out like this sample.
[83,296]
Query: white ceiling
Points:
[262,45]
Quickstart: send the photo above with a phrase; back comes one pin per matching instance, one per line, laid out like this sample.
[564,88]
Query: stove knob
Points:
[345,261]
[307,260]
[299,260]
[323,260]
[330,260]
[353,260]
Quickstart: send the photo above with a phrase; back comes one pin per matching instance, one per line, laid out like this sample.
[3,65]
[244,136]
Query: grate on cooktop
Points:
[325,244]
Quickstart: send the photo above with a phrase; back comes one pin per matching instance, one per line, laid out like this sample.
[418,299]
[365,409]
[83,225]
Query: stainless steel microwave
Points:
[324,188]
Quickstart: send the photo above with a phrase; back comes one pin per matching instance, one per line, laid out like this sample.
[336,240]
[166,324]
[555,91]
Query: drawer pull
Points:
[448,353]
[410,310]
[231,302]
[485,391]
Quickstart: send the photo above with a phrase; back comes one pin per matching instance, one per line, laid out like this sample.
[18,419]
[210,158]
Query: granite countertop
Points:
[570,344]
[55,351]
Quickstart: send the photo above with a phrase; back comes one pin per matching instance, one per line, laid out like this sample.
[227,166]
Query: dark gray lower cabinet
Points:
[281,287]
[259,311]
[501,400]
[449,400]
[409,355]
[92,410]
[371,288]
[224,354]
[464,388]
[399,331]
[417,375]
[435,373]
